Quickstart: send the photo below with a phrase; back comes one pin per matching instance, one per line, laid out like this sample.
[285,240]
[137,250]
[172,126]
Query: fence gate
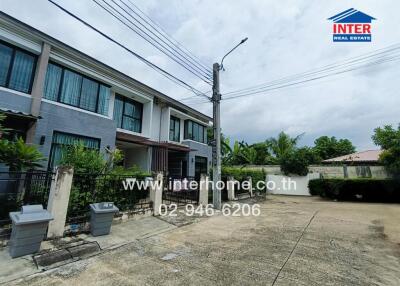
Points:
[21,188]
[95,188]
[181,191]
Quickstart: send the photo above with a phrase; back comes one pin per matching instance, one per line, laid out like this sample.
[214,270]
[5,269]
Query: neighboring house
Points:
[55,96]
[369,157]
[363,164]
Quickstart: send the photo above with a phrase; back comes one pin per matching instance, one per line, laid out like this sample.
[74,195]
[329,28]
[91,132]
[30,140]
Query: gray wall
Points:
[199,149]
[59,118]
[137,156]
[12,101]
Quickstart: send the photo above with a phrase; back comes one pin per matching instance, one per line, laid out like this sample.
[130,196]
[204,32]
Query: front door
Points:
[200,167]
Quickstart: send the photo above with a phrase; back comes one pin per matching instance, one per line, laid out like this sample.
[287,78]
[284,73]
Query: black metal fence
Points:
[181,191]
[22,188]
[89,188]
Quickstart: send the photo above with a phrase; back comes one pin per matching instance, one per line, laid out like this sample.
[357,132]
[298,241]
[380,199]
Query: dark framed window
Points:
[128,113]
[195,131]
[174,129]
[17,68]
[61,141]
[72,88]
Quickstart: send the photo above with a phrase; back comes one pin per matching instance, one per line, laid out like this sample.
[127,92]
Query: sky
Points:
[285,38]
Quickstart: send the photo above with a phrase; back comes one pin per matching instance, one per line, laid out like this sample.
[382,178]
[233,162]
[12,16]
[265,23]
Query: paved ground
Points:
[295,241]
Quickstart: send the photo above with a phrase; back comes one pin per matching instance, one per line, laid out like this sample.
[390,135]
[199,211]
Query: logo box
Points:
[352,26]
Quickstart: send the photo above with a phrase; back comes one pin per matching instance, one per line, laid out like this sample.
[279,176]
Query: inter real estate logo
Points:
[352,26]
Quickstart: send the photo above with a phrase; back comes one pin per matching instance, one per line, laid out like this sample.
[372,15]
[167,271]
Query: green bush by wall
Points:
[242,174]
[372,190]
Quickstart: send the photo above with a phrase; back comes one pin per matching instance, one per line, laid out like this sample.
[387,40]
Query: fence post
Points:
[151,193]
[157,190]
[230,187]
[21,181]
[203,190]
[250,179]
[58,200]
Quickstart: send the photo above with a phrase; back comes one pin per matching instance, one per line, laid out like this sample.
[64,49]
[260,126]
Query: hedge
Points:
[242,174]
[372,190]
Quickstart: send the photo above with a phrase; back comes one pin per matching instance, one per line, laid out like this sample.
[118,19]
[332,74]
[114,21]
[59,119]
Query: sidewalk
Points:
[121,234]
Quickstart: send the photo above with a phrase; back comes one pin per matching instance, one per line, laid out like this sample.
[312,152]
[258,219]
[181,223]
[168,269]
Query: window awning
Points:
[121,136]
[19,114]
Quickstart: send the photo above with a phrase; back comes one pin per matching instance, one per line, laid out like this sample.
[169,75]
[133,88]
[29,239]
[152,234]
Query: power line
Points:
[297,81]
[182,48]
[167,37]
[313,71]
[205,72]
[150,64]
[314,78]
[146,37]
[191,97]
[329,67]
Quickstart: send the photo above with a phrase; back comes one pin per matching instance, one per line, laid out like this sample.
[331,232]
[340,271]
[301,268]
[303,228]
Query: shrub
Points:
[297,161]
[242,174]
[83,160]
[373,190]
[134,171]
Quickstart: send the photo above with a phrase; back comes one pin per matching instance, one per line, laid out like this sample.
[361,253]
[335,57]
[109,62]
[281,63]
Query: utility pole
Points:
[216,98]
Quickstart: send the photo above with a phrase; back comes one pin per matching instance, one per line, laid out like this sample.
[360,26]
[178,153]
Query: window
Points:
[128,114]
[69,87]
[174,129]
[62,140]
[16,68]
[195,131]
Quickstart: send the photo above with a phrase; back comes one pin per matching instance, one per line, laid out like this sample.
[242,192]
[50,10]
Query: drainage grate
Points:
[68,254]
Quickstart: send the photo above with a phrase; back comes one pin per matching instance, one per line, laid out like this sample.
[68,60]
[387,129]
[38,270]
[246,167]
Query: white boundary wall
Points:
[328,171]
[300,183]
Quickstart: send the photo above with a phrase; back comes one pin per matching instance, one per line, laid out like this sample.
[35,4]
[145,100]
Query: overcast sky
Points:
[285,37]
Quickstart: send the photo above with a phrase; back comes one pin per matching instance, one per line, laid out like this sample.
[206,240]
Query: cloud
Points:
[285,37]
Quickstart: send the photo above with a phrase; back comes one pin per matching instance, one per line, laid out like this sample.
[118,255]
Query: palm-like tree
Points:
[282,145]
[19,156]
[248,154]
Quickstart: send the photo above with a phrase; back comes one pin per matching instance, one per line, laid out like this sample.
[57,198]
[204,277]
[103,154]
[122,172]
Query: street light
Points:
[222,61]
[216,98]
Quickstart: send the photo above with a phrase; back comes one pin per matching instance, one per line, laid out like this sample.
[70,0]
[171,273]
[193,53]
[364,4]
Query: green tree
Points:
[236,154]
[19,156]
[282,145]
[226,151]
[329,147]
[263,154]
[248,154]
[296,161]
[388,138]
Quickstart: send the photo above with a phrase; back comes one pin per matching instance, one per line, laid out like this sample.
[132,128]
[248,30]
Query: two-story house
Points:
[55,96]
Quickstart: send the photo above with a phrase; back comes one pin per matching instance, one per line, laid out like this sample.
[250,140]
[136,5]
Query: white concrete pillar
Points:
[37,88]
[58,201]
[230,187]
[203,190]
[151,190]
[157,190]
[250,179]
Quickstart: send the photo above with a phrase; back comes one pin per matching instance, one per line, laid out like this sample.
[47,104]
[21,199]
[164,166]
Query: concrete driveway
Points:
[295,241]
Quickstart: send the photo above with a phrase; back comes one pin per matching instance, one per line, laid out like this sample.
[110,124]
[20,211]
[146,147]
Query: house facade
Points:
[55,96]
